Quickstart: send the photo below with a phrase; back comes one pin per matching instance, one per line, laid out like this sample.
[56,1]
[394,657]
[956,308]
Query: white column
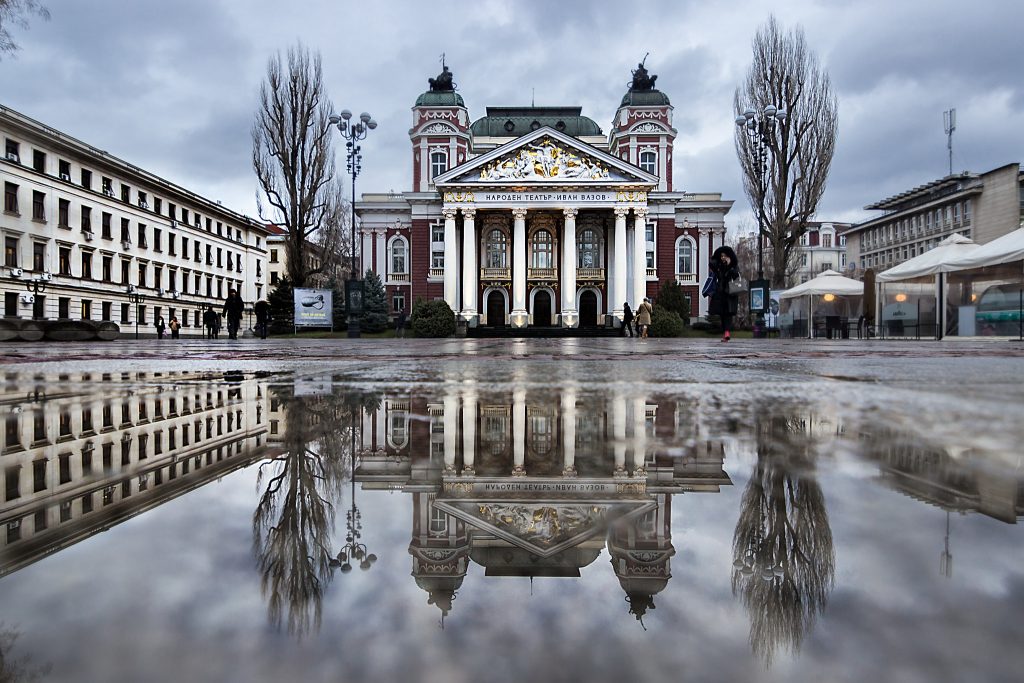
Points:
[519,317]
[570,318]
[619,435]
[451,260]
[639,256]
[639,437]
[365,256]
[468,433]
[519,433]
[703,257]
[470,269]
[451,430]
[569,432]
[367,431]
[382,255]
[619,269]
[380,428]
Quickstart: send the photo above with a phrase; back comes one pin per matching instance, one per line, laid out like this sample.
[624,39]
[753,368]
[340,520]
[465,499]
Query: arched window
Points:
[399,253]
[684,256]
[541,250]
[438,163]
[497,249]
[589,255]
[649,162]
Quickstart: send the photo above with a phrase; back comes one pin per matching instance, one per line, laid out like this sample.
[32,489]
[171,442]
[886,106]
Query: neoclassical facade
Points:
[533,217]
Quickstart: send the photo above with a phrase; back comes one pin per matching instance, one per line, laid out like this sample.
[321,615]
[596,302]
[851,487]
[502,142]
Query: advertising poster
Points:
[313,308]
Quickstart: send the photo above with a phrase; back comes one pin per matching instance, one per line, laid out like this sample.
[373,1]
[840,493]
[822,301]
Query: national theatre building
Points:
[533,217]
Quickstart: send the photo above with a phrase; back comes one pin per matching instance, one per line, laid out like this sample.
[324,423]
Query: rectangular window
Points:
[126,193]
[64,168]
[86,176]
[157,205]
[12,483]
[125,268]
[86,219]
[108,266]
[38,206]
[107,185]
[64,260]
[156,240]
[86,265]
[106,311]
[86,309]
[105,227]
[142,235]
[39,257]
[39,161]
[10,198]
[142,275]
[11,252]
[273,255]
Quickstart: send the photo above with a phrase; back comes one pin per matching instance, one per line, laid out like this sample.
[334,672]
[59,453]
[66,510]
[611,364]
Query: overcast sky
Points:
[172,86]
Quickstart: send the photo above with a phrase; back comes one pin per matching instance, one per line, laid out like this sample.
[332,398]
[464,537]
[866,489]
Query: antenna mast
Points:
[949,123]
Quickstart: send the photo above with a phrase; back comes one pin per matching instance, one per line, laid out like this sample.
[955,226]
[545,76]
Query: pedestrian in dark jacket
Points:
[210,323]
[627,319]
[233,309]
[723,303]
[262,310]
[160,327]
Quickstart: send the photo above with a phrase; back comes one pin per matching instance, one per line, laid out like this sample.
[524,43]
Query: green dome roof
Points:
[448,98]
[644,98]
[513,122]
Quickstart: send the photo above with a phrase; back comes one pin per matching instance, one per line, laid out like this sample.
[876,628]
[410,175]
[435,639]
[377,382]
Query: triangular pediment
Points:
[545,157]
[543,528]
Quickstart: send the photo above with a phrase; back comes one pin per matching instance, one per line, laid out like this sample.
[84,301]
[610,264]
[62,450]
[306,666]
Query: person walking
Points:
[210,323]
[174,326]
[400,323]
[643,318]
[262,310]
[233,309]
[627,320]
[725,266]
[160,327]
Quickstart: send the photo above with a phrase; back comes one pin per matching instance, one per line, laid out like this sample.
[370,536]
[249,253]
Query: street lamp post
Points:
[353,133]
[760,129]
[136,297]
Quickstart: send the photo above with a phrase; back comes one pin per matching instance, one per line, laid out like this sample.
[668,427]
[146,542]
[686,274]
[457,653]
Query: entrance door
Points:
[542,309]
[495,310]
[588,309]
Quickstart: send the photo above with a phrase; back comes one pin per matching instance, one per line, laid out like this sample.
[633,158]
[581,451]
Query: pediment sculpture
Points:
[546,160]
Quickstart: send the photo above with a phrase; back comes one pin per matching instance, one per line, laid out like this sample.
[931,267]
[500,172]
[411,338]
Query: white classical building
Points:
[533,217]
[82,229]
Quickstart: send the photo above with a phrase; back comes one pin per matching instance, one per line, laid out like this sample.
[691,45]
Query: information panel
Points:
[313,308]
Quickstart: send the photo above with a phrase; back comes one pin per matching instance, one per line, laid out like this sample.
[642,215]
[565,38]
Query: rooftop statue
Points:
[641,80]
[443,82]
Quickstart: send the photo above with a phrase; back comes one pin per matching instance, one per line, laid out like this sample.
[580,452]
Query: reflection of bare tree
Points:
[294,519]
[784,566]
[17,669]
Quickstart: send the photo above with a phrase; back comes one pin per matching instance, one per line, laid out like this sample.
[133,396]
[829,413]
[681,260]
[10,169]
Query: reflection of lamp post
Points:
[353,133]
[36,285]
[760,127]
[136,297]
[353,550]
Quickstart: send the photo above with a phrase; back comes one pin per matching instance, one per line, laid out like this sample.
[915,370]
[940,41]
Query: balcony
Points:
[590,273]
[398,277]
[686,278]
[494,273]
[541,273]
[652,272]
[435,273]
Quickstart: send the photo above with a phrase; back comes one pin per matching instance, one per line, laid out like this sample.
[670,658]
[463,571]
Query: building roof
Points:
[517,121]
[644,98]
[448,98]
[936,188]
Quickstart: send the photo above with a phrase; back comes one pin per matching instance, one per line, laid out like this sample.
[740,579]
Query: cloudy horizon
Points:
[173,87]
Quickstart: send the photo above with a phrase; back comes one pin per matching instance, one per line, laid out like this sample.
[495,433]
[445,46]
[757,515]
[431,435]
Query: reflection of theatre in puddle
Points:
[539,484]
[83,454]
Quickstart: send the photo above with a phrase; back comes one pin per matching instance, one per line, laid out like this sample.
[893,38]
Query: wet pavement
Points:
[512,510]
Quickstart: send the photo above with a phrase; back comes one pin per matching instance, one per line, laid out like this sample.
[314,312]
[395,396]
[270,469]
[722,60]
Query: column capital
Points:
[641,211]
[621,211]
[469,213]
[380,232]
[570,212]
[449,213]
[519,214]
[703,232]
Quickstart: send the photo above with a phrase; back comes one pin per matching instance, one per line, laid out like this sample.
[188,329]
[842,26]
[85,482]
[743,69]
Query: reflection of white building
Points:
[103,449]
[527,484]
[93,226]
[532,216]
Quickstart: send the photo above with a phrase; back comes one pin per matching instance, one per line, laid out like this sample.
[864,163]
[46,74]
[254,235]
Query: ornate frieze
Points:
[546,160]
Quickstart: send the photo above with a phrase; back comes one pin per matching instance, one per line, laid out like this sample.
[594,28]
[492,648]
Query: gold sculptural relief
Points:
[546,160]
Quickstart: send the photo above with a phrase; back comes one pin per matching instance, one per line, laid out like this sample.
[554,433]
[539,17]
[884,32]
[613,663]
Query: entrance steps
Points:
[486,332]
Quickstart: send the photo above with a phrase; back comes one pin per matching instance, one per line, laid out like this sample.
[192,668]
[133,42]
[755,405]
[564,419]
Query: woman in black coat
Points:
[723,303]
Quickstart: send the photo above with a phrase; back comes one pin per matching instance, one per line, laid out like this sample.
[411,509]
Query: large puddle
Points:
[303,526]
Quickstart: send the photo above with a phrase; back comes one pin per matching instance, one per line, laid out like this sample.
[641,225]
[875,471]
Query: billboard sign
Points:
[313,308]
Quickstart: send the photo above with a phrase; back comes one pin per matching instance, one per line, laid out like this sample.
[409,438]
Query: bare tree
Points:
[785,186]
[16,12]
[293,157]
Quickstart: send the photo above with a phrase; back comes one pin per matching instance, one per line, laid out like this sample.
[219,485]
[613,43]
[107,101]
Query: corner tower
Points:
[440,131]
[642,131]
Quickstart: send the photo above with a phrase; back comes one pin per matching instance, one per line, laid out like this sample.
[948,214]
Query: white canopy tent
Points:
[915,305]
[834,290]
[933,261]
[1005,249]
